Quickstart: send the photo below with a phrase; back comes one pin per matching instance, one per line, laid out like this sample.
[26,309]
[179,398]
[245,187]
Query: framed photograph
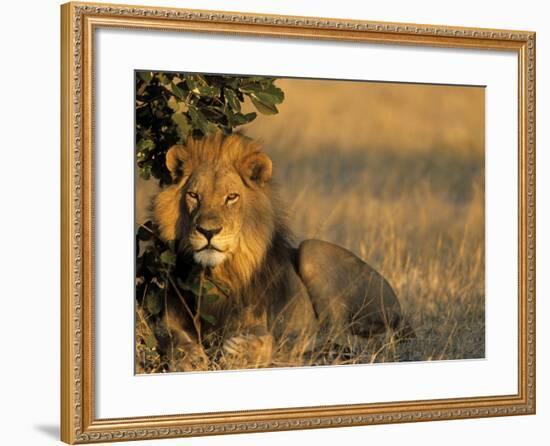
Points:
[275,223]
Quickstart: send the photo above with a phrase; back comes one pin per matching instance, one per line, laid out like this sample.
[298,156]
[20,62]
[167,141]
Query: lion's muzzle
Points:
[209,245]
[209,233]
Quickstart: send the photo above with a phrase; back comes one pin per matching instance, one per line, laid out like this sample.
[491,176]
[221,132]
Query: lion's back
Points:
[346,291]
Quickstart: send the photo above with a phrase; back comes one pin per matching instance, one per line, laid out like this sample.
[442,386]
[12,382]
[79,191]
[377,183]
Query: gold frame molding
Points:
[78,22]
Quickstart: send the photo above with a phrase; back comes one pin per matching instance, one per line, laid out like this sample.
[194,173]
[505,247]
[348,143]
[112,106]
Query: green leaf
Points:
[249,117]
[213,113]
[266,92]
[164,80]
[266,97]
[199,120]
[188,286]
[257,80]
[194,82]
[153,303]
[168,258]
[177,91]
[198,85]
[151,341]
[210,91]
[183,125]
[210,298]
[145,76]
[145,145]
[240,119]
[208,318]
[232,99]
[145,171]
[266,109]
[276,92]
[191,83]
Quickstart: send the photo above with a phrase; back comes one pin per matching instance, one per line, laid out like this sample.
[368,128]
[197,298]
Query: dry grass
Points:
[394,173]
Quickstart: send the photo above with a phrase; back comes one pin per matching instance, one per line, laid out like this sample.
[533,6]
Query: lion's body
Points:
[222,212]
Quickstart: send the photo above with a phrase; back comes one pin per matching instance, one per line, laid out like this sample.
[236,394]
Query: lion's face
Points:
[219,206]
[214,201]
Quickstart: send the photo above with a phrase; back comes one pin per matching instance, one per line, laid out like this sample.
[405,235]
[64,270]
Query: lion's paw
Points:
[192,357]
[248,350]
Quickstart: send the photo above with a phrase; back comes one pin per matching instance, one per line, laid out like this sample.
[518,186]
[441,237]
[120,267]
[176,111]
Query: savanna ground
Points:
[395,174]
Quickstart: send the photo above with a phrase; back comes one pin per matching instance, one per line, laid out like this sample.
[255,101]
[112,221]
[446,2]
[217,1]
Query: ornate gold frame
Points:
[78,423]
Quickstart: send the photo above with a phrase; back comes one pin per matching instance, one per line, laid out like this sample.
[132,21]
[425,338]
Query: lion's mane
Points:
[264,242]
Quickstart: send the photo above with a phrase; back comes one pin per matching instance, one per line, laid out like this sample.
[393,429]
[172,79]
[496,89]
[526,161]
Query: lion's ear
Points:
[176,159]
[256,167]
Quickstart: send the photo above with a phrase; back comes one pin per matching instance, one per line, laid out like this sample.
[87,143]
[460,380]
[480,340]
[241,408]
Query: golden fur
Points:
[219,153]
[222,212]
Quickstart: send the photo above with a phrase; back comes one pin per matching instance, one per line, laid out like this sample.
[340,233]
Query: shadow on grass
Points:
[387,174]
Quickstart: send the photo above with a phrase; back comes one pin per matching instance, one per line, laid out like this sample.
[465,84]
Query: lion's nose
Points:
[208,233]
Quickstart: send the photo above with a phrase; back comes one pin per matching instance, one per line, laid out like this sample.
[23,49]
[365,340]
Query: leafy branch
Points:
[156,269]
[170,107]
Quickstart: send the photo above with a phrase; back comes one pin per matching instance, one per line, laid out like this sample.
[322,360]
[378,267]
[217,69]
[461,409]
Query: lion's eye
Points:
[231,198]
[192,195]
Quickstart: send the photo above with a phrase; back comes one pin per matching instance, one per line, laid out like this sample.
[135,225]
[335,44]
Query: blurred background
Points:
[394,173]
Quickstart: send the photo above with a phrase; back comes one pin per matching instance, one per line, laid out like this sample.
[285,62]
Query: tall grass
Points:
[394,173]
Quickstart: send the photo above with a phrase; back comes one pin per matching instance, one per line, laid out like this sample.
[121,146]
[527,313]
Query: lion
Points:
[224,216]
